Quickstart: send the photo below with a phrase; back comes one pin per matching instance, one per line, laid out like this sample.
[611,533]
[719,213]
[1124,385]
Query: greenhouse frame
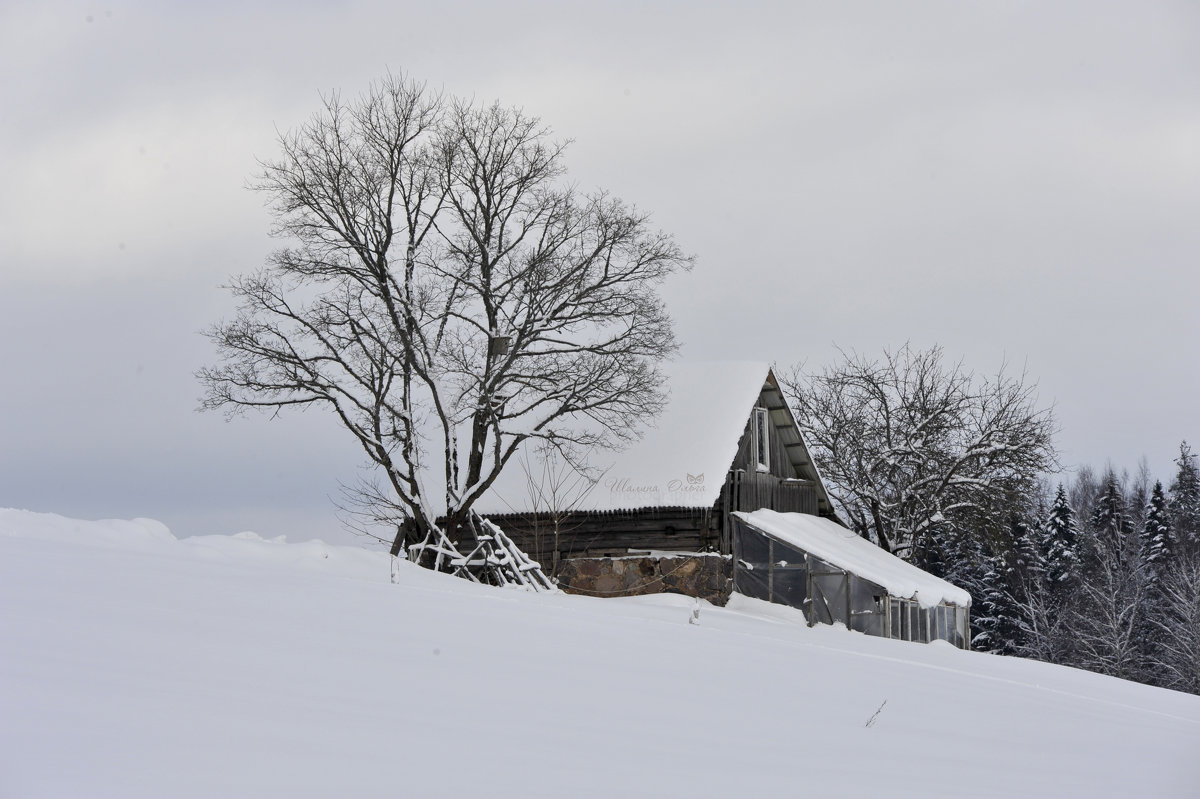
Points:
[836,577]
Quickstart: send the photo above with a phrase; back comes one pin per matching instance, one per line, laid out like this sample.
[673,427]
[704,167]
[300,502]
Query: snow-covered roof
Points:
[837,546]
[684,454]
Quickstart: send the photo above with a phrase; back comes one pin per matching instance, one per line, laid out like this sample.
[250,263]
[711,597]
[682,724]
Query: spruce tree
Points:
[1023,569]
[1109,525]
[1110,624]
[961,559]
[1030,560]
[1157,539]
[1156,546]
[1006,562]
[992,620]
[1082,493]
[1061,545]
[1137,497]
[1184,501]
[1039,614]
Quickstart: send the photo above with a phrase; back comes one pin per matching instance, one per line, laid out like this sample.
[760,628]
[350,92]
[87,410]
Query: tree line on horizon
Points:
[1100,572]
[947,469]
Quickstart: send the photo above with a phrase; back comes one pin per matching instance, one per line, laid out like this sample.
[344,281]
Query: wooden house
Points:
[724,470]
[726,442]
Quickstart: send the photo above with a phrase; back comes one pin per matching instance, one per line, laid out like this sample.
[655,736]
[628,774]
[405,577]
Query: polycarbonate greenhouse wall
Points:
[769,569]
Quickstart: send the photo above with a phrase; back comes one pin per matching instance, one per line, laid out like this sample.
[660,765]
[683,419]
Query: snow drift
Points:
[133,664]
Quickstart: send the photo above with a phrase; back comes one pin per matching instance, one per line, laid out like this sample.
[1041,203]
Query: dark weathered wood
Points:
[750,491]
[615,533]
[780,462]
[594,533]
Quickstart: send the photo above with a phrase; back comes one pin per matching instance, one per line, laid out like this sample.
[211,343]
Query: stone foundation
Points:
[705,576]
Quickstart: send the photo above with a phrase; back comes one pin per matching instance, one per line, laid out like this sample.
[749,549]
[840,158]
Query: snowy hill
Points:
[133,664]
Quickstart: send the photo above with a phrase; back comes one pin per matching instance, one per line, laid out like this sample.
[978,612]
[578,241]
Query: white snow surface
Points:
[136,665]
[840,547]
[683,455]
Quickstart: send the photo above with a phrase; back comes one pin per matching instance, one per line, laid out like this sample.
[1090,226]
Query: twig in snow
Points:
[875,715]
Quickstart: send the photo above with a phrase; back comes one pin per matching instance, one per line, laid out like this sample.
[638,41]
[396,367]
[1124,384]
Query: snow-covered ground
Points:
[133,664]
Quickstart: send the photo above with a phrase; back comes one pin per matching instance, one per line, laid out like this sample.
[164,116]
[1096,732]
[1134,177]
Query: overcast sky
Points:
[1013,181]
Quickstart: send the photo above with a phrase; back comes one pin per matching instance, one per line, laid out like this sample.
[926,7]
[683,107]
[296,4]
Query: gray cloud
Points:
[1013,181]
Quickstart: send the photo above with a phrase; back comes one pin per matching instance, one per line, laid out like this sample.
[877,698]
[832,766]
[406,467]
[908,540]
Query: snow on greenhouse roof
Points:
[681,459]
[837,546]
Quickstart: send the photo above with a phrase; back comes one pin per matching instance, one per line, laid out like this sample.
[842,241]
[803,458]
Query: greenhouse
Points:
[836,577]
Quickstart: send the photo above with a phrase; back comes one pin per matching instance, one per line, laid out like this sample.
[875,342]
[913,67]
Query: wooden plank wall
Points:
[781,466]
[612,533]
[750,491]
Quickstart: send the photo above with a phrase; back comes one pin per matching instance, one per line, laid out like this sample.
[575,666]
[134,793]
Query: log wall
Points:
[583,534]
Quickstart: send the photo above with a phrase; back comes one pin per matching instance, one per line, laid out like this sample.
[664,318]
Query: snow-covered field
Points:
[133,664]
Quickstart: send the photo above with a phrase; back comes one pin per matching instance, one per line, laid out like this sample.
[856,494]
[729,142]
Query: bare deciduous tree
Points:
[911,446]
[1107,619]
[448,297]
[1175,655]
[555,490]
[1042,623]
